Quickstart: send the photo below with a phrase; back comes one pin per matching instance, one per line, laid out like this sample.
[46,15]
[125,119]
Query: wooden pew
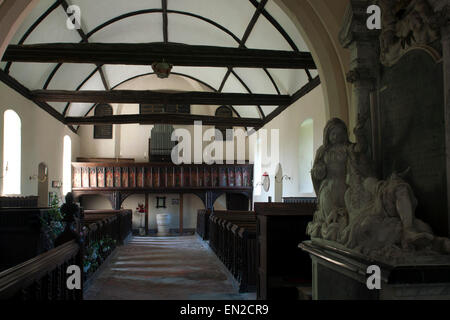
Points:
[203,223]
[218,219]
[19,202]
[233,239]
[21,236]
[283,267]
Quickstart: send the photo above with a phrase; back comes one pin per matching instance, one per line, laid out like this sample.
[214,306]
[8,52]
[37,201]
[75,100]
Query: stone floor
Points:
[164,268]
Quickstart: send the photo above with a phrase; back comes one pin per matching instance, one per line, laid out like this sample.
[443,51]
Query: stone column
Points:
[442,9]
[364,65]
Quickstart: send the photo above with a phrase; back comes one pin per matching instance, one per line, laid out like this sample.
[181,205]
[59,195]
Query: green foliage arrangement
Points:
[97,252]
[52,223]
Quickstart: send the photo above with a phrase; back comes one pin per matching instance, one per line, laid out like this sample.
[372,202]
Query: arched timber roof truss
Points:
[251,26]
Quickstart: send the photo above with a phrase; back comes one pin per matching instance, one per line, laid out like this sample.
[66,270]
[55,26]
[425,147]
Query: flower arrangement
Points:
[52,223]
[140,208]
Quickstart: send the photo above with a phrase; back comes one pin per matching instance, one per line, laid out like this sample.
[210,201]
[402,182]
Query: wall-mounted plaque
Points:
[104,131]
[161,108]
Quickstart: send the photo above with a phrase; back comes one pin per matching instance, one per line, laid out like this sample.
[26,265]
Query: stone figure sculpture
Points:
[329,178]
[355,209]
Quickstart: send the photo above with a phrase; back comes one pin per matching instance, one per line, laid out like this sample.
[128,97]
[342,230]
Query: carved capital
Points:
[355,24]
[360,74]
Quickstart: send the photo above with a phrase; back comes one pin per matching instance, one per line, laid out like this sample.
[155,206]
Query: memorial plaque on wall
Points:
[104,131]
[148,177]
[194,177]
[172,181]
[109,178]
[101,177]
[231,177]
[85,177]
[200,177]
[132,173]
[160,108]
[140,177]
[117,177]
[125,177]
[238,177]
[77,178]
[413,132]
[227,133]
[155,174]
[207,177]
[214,177]
[93,177]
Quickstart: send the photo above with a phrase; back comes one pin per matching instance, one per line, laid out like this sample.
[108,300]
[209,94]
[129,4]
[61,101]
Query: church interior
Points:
[224,150]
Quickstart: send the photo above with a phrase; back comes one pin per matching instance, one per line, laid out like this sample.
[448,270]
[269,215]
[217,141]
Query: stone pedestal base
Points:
[339,274]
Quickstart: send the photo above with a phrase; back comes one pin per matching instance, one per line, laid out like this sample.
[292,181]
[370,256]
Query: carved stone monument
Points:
[371,208]
[407,25]
[371,216]
[362,221]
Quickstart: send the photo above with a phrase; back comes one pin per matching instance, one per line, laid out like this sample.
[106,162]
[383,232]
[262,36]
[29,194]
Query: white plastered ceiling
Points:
[142,22]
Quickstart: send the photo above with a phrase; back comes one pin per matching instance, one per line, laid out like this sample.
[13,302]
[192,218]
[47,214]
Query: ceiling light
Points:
[162,69]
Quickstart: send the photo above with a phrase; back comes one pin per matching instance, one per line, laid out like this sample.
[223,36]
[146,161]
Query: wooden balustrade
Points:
[232,236]
[159,176]
[43,277]
[99,224]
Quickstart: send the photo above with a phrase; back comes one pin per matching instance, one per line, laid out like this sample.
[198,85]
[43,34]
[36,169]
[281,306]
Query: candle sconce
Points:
[285,177]
[6,171]
[38,178]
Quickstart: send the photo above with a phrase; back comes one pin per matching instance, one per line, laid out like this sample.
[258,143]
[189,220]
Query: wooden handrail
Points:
[17,278]
[44,276]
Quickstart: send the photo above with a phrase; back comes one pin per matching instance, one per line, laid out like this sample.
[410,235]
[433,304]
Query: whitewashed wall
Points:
[42,140]
[190,206]
[311,106]
[131,140]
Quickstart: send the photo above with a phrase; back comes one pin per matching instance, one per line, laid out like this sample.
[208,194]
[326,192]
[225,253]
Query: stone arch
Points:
[319,22]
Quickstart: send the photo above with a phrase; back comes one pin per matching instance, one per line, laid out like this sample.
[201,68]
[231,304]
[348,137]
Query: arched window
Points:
[12,149]
[224,112]
[67,165]
[306,156]
[103,131]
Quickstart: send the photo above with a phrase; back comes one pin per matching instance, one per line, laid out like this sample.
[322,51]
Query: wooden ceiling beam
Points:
[165,118]
[22,90]
[146,54]
[156,97]
[295,97]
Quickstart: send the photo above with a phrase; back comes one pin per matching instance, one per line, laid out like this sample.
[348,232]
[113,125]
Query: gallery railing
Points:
[160,176]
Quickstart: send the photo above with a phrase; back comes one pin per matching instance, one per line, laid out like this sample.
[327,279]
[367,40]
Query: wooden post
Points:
[146,213]
[181,214]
